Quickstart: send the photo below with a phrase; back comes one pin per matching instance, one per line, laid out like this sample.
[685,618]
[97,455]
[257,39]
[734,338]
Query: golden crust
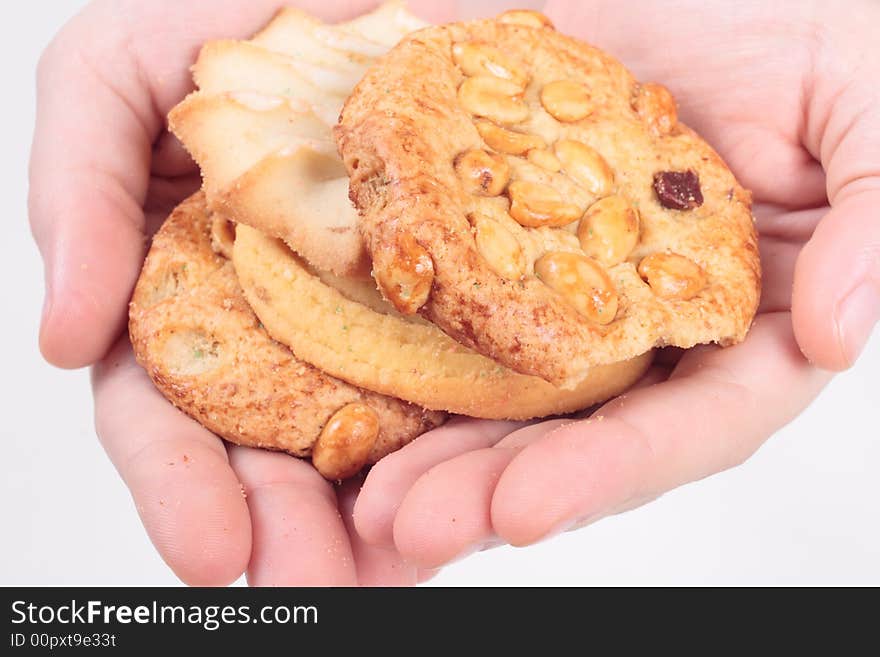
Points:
[348,331]
[204,348]
[400,133]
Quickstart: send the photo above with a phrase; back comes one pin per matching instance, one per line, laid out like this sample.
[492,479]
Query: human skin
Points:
[792,105]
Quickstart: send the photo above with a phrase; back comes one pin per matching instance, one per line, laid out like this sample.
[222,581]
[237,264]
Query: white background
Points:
[804,510]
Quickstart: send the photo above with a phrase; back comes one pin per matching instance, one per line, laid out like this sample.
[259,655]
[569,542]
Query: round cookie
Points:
[521,190]
[346,329]
[206,351]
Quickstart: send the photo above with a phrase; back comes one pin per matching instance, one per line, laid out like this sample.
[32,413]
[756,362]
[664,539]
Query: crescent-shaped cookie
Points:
[345,328]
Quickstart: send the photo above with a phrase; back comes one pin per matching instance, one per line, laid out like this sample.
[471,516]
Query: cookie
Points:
[229,66]
[267,162]
[521,190]
[206,351]
[260,128]
[346,329]
[387,24]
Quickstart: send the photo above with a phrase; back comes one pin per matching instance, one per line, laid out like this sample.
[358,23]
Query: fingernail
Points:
[858,314]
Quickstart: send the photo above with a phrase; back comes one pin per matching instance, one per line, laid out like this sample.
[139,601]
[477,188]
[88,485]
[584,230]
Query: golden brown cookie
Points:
[345,328]
[204,348]
[524,192]
[260,128]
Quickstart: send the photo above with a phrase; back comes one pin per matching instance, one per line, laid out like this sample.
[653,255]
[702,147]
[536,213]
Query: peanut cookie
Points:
[346,329]
[260,128]
[204,348]
[521,190]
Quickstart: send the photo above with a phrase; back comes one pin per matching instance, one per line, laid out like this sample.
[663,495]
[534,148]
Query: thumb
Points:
[103,87]
[836,298]
[836,295]
[88,179]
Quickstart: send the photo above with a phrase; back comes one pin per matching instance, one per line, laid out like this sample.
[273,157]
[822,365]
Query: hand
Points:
[104,174]
[789,98]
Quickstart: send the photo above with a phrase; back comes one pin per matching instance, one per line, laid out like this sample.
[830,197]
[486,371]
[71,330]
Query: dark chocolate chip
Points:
[678,190]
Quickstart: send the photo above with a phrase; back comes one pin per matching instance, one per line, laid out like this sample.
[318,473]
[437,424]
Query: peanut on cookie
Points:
[521,190]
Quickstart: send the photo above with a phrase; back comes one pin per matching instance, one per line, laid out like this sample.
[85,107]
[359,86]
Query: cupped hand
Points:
[104,174]
[788,96]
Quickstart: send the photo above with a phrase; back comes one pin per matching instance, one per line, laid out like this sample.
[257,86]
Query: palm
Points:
[692,417]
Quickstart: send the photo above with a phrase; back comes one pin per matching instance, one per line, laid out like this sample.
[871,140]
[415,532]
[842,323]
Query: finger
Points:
[778,257]
[445,514]
[299,538]
[165,195]
[376,566]
[187,496]
[170,159]
[836,300]
[657,373]
[644,444]
[85,201]
[796,226]
[529,434]
[390,479]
